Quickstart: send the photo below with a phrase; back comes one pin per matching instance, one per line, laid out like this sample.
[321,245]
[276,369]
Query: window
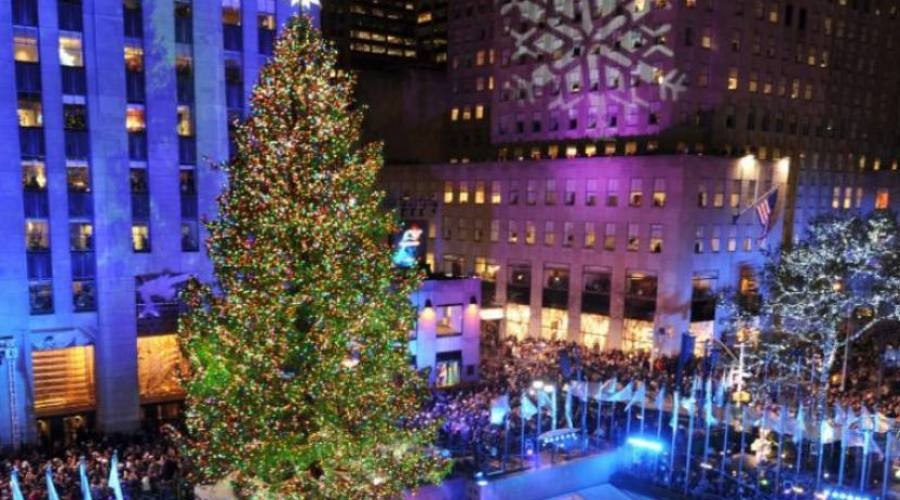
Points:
[590,193]
[446,228]
[732,239]
[640,296]
[748,238]
[715,242]
[81,237]
[513,233]
[698,240]
[495,230]
[568,234]
[462,229]
[30,113]
[134,118]
[719,194]
[449,320]
[266,33]
[706,38]
[550,192]
[70,53]
[448,192]
[590,235]
[612,192]
[609,237]
[34,176]
[25,49]
[183,22]
[735,195]
[513,192]
[634,239]
[37,235]
[529,232]
[531,192]
[656,238]
[636,194]
[882,199]
[463,192]
[659,192]
[549,233]
[570,192]
[496,194]
[133,19]
[732,79]
[479,192]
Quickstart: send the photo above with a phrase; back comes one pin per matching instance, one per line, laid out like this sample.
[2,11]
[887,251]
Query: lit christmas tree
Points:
[838,284]
[300,384]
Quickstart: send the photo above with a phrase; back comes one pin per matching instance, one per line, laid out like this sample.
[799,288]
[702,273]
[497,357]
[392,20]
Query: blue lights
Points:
[480,479]
[641,443]
[842,495]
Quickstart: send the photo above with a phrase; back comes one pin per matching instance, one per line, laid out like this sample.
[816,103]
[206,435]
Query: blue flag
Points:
[51,488]
[14,485]
[83,479]
[114,483]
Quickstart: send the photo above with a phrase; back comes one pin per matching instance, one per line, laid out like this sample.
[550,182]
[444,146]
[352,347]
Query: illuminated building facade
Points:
[561,104]
[376,34]
[108,130]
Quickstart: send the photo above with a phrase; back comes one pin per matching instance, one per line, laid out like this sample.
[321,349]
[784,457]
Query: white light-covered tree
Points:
[835,286]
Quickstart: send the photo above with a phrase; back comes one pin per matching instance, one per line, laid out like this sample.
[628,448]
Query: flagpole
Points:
[845,433]
[821,453]
[781,424]
[643,408]
[888,444]
[584,404]
[867,435]
[799,436]
[690,441]
[522,418]
[506,439]
[725,439]
[674,432]
[743,443]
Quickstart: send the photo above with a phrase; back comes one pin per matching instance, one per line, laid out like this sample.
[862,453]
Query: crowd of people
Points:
[150,467]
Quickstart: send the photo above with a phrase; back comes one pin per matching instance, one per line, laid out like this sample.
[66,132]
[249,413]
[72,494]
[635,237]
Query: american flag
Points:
[765,207]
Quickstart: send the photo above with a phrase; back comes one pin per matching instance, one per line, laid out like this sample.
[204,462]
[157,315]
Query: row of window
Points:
[461,232]
[710,192]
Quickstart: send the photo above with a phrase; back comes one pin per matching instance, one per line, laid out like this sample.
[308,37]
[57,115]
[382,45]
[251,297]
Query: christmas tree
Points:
[299,383]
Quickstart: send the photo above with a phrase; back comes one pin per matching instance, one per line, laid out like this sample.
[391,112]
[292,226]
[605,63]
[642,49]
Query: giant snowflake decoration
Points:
[577,42]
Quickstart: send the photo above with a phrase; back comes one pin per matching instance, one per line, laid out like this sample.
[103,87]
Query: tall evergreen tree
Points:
[299,383]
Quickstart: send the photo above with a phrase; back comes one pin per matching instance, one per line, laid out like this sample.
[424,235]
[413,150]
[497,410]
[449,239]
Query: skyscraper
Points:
[109,134]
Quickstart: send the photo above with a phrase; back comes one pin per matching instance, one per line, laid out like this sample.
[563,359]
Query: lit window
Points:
[715,243]
[549,233]
[454,114]
[698,240]
[656,238]
[81,237]
[479,192]
[612,193]
[732,239]
[140,238]
[424,17]
[34,176]
[702,195]
[37,235]
[529,232]
[659,192]
[463,192]
[706,39]
[609,237]
[634,239]
[732,79]
[30,113]
[70,53]
[25,49]
[590,235]
[636,195]
[479,111]
[185,125]
[467,113]
[134,58]
[496,195]
[134,118]
[882,199]
[448,191]
[513,235]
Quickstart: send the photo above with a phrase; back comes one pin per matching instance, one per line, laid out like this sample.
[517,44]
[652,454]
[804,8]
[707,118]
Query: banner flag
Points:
[14,485]
[499,409]
[114,483]
[51,488]
[83,479]
[528,408]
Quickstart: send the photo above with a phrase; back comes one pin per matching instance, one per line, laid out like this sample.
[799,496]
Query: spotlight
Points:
[652,446]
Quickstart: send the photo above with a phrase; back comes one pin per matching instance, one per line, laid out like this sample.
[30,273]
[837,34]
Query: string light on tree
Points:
[299,385]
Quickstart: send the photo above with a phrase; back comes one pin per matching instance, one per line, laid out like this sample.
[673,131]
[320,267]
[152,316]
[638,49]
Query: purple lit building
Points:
[600,151]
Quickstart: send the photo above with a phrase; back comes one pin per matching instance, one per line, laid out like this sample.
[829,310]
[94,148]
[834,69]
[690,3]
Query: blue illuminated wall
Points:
[111,326]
